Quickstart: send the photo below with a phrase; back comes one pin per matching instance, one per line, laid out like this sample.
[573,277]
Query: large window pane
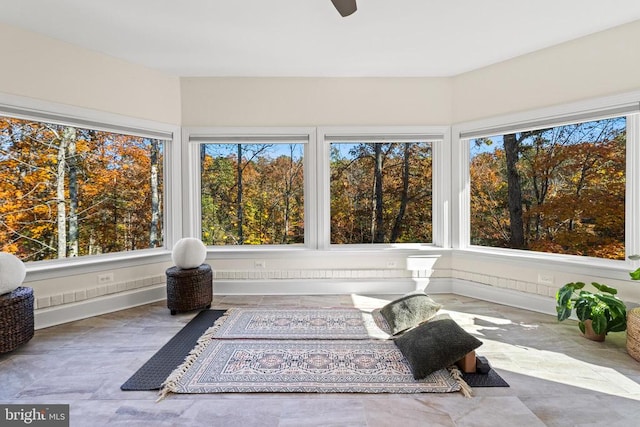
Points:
[252,194]
[381,192]
[67,191]
[558,190]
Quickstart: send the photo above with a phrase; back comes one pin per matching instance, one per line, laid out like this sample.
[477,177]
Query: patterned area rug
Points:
[290,323]
[316,366]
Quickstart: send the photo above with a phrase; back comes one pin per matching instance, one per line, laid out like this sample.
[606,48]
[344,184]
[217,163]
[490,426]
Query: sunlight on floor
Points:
[534,360]
[541,363]
[368,303]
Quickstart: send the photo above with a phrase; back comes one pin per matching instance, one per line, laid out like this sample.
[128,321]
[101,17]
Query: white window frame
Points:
[195,136]
[439,136]
[614,106]
[51,112]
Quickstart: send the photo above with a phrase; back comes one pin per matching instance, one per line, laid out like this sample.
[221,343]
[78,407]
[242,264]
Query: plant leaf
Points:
[635,275]
[604,288]
[615,305]
[577,285]
[617,325]
[563,312]
[599,323]
[563,296]
[581,326]
[583,309]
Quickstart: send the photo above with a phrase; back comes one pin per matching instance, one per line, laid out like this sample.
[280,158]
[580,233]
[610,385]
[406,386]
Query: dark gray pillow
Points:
[405,313]
[435,345]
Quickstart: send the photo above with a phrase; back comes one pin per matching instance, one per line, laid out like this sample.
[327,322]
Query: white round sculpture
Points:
[188,253]
[12,272]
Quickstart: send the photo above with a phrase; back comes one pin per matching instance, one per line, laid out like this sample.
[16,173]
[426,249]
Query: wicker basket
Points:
[16,318]
[189,289]
[633,333]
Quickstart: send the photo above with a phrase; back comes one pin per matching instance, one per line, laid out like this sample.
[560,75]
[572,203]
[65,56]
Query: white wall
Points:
[39,67]
[246,101]
[597,65]
[600,64]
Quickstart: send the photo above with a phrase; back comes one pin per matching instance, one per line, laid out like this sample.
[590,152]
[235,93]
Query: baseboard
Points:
[51,316]
[508,297]
[318,286]
[59,314]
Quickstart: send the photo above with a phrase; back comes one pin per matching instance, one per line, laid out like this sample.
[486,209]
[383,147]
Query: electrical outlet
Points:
[545,279]
[260,264]
[391,264]
[105,278]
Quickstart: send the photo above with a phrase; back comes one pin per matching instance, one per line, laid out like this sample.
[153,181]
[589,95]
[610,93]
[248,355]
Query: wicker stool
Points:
[633,333]
[16,318]
[189,289]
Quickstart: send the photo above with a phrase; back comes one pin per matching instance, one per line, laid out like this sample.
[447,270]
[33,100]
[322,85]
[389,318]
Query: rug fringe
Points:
[168,386]
[465,389]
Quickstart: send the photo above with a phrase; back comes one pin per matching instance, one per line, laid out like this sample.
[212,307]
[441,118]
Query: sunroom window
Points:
[555,189]
[252,190]
[68,191]
[381,189]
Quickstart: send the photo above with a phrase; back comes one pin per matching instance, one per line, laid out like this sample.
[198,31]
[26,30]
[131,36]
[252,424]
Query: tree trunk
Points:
[287,195]
[73,192]
[379,230]
[155,205]
[240,213]
[404,197]
[61,216]
[516,227]
[113,245]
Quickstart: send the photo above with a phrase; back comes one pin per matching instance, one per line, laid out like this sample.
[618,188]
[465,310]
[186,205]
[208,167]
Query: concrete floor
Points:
[557,377]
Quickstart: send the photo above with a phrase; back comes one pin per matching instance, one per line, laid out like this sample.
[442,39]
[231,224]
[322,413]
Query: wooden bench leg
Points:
[468,363]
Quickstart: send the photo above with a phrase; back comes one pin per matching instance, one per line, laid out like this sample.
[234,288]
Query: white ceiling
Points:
[309,38]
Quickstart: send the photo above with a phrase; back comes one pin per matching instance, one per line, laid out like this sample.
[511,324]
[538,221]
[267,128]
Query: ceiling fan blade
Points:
[345,7]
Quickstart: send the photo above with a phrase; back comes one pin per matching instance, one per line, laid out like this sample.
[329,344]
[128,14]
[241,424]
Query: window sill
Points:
[42,270]
[574,264]
[230,252]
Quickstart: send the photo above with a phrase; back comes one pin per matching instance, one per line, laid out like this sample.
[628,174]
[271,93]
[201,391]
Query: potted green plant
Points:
[602,310]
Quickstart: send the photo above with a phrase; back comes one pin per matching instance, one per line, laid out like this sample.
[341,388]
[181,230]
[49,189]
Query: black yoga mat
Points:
[490,379]
[153,373]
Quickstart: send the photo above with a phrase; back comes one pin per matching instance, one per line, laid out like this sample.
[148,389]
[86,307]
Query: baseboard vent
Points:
[97,292]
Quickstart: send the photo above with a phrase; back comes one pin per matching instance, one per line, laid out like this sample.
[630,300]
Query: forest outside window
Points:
[252,192]
[68,191]
[557,189]
[380,190]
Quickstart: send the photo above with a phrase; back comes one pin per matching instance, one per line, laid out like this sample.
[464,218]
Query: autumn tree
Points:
[72,162]
[514,192]
[155,177]
[404,194]
[380,193]
[58,185]
[253,199]
[570,184]
[489,211]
